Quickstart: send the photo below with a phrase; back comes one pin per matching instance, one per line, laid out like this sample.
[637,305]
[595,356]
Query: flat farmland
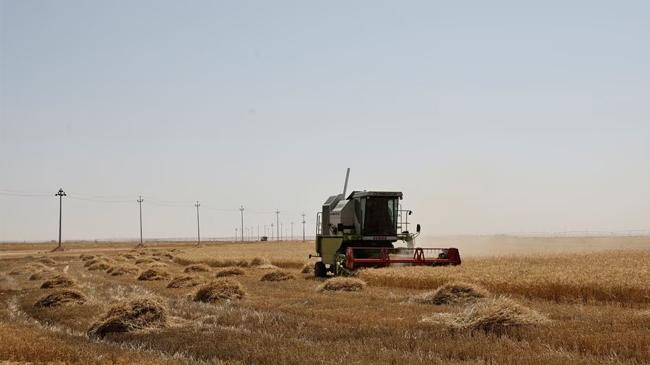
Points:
[250,303]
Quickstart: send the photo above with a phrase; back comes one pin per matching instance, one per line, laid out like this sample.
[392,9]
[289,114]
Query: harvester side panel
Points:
[327,246]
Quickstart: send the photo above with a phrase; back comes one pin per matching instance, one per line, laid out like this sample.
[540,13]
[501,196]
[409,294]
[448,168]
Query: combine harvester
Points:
[359,231]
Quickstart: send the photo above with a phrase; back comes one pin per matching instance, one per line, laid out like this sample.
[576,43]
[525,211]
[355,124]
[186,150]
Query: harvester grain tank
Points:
[360,230]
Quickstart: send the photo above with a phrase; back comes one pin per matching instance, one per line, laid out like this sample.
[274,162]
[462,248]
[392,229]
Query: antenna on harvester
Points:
[140,200]
[60,194]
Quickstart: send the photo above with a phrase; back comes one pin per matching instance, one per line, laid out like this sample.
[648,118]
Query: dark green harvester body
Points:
[360,231]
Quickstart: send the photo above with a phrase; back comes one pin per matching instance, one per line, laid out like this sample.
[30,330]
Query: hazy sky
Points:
[490,116]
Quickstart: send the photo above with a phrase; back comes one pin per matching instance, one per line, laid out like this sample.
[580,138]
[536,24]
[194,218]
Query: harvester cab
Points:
[360,231]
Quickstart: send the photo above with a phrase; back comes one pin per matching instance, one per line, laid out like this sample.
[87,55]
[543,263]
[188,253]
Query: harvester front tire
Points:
[319,270]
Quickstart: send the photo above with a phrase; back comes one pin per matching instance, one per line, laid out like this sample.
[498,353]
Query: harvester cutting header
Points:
[360,231]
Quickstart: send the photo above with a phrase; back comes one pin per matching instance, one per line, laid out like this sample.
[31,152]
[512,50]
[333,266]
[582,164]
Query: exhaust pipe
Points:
[345,186]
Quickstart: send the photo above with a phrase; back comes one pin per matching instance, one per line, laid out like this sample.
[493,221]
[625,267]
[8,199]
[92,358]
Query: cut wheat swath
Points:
[220,290]
[61,297]
[196,268]
[185,281]
[58,281]
[496,315]
[153,275]
[451,293]
[137,314]
[234,271]
[277,275]
[342,284]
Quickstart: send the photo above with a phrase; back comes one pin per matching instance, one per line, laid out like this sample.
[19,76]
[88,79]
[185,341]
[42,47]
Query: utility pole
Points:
[258,232]
[198,224]
[303,226]
[60,194]
[242,221]
[235,234]
[291,237]
[277,218]
[140,200]
[271,230]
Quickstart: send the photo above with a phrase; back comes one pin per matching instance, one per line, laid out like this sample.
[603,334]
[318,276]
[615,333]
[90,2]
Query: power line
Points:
[127,199]
[72,196]
[21,194]
[260,212]
[188,205]
[171,203]
[122,199]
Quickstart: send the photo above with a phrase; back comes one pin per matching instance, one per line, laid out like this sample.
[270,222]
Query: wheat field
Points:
[547,308]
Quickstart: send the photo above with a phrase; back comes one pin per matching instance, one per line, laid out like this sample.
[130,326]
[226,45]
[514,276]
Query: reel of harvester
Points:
[360,231]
